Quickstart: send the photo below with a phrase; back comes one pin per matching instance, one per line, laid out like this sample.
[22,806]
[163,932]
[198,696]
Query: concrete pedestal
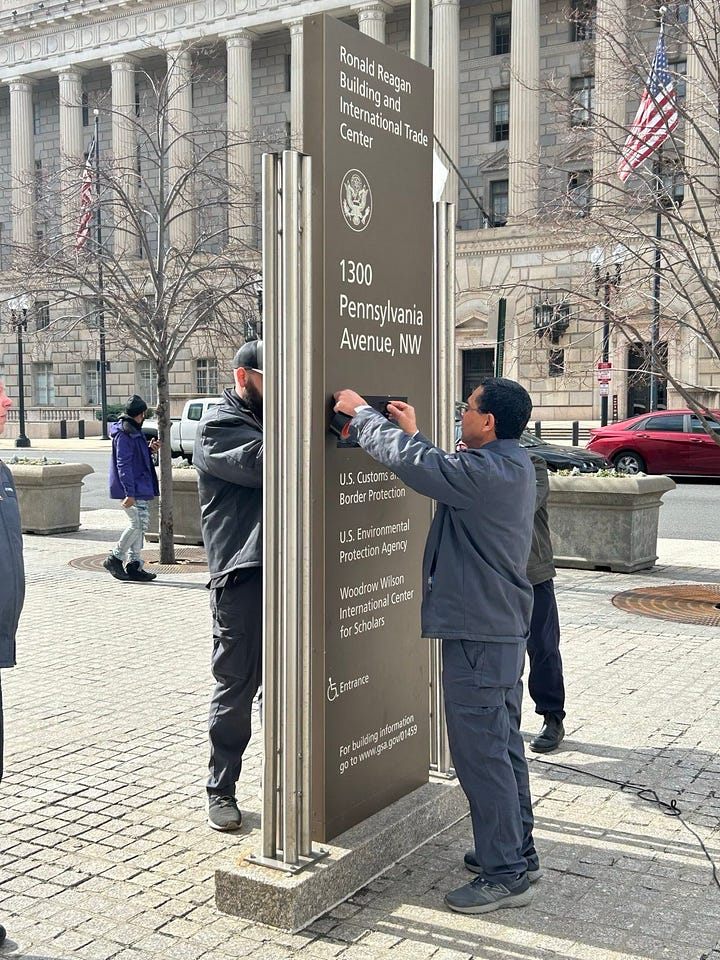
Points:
[49,495]
[291,902]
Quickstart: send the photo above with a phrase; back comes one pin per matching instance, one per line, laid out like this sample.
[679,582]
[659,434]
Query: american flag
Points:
[656,117]
[87,198]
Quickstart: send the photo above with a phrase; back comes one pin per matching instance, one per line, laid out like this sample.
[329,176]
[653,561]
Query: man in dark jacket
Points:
[12,572]
[228,456]
[134,482]
[545,679]
[477,597]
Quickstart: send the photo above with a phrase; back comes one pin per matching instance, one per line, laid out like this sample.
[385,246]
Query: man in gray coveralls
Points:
[477,597]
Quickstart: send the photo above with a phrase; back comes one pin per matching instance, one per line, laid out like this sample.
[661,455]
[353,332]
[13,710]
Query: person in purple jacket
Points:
[133,481]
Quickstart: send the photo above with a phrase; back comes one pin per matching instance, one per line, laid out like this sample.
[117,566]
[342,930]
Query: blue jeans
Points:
[130,544]
[483,697]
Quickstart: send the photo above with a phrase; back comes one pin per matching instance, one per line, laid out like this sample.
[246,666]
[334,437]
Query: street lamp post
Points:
[18,317]
[606,283]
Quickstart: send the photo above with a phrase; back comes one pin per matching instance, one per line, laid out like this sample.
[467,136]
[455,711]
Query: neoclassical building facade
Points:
[516,82]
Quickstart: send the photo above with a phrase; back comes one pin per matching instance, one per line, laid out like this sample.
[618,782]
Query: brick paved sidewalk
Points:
[104,851]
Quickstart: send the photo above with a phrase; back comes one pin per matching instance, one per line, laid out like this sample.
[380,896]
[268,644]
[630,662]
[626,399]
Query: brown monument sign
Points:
[368,114]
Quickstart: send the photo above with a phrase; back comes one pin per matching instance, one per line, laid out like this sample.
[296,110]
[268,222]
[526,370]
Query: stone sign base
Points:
[291,902]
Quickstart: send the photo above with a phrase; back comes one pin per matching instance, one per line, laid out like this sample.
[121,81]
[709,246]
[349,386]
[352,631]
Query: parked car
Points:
[556,456]
[183,430]
[669,441]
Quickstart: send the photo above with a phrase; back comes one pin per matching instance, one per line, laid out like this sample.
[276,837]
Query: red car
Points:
[667,441]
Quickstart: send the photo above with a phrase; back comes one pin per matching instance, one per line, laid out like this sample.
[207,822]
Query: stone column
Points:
[523,149]
[371,18]
[241,185]
[179,144]
[124,153]
[610,104]
[446,64]
[702,143]
[72,146]
[22,161]
[296,82]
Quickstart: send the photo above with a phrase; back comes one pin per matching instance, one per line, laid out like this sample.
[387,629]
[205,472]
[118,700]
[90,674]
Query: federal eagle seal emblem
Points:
[356,200]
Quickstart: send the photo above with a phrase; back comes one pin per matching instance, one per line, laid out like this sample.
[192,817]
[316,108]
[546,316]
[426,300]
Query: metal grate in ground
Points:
[187,560]
[689,603]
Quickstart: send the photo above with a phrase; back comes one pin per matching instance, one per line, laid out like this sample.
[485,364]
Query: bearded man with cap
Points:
[228,456]
[133,481]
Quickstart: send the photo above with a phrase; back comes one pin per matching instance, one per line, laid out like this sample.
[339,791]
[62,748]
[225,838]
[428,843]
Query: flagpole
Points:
[101,303]
[655,326]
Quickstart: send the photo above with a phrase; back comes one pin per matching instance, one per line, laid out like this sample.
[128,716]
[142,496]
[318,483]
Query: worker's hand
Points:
[403,415]
[154,444]
[127,502]
[346,401]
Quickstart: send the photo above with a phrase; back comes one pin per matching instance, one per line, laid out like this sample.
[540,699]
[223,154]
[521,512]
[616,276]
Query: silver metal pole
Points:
[420,31]
[305,395]
[444,431]
[271,633]
[290,223]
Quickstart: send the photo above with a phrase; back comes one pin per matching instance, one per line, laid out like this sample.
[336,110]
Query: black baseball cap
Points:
[250,356]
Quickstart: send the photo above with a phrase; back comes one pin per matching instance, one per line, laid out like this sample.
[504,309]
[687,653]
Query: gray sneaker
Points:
[480,896]
[223,813]
[533,871]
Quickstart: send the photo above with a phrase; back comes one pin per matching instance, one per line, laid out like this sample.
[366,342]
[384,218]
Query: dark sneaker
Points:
[533,871]
[115,567]
[3,934]
[481,896]
[223,813]
[550,736]
[137,574]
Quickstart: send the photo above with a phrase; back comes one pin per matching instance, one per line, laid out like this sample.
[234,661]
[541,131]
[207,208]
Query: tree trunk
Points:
[165,529]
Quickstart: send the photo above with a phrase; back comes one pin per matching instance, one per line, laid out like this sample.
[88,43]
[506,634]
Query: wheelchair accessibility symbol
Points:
[332,690]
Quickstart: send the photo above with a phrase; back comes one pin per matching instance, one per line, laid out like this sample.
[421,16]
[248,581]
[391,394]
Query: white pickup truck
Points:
[182,431]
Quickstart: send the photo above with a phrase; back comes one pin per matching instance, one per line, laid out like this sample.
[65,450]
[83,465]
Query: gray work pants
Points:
[483,698]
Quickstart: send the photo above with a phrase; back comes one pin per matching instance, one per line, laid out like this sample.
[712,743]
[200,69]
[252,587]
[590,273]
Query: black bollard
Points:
[575,433]
[538,429]
[81,429]
[63,429]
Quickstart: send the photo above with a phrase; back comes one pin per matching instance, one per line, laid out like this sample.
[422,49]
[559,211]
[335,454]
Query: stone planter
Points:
[606,523]
[49,495]
[186,509]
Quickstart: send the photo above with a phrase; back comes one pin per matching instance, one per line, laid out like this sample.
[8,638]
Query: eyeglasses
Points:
[464,407]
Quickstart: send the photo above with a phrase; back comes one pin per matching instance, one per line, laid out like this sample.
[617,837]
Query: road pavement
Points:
[104,850]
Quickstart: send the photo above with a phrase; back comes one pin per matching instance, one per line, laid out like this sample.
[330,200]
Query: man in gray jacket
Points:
[12,571]
[477,597]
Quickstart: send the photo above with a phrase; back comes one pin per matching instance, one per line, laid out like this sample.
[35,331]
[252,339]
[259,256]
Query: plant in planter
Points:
[48,493]
[606,520]
[186,506]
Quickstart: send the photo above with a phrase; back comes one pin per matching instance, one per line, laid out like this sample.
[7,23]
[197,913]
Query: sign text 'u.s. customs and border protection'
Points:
[367,124]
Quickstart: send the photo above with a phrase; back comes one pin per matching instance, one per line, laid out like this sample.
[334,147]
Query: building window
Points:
[91,383]
[501,34]
[43,385]
[36,118]
[582,20]
[678,71]
[147,382]
[579,190]
[42,314]
[288,72]
[582,94]
[206,377]
[556,363]
[501,115]
[137,100]
[85,110]
[499,202]
[673,181]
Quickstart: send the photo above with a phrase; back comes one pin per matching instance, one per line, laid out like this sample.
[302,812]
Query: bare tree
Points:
[174,262]
[664,221]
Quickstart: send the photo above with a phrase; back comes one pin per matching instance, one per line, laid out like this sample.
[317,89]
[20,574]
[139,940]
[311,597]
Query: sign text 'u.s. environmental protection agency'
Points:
[368,114]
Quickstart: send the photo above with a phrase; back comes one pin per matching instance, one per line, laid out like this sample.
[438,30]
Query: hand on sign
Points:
[403,415]
[346,401]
